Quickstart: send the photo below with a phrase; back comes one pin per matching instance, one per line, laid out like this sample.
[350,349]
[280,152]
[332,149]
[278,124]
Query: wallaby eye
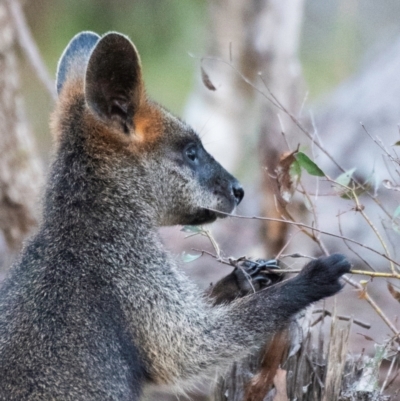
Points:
[191,152]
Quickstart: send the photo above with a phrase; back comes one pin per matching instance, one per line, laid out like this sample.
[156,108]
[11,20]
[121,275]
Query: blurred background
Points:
[331,64]
[337,37]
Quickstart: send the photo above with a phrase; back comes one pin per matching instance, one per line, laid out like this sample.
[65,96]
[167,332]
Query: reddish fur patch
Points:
[273,355]
[105,138]
[149,125]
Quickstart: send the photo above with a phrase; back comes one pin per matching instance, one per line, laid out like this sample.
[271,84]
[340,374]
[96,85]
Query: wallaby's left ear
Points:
[113,85]
[75,57]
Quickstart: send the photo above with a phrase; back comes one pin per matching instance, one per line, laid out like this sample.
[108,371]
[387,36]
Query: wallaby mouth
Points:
[204,216]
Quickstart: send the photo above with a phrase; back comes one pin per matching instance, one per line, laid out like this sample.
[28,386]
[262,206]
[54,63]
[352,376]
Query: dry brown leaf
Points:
[280,385]
[206,80]
[368,338]
[395,294]
[284,179]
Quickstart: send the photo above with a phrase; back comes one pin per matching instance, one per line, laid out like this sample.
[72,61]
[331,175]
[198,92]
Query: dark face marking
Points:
[211,177]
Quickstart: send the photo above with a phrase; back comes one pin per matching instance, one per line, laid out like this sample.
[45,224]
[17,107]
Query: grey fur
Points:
[96,308]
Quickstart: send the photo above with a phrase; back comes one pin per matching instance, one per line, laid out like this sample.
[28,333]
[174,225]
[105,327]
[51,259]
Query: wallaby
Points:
[96,308]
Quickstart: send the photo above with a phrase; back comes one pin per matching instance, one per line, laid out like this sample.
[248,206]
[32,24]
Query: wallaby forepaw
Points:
[334,265]
[324,274]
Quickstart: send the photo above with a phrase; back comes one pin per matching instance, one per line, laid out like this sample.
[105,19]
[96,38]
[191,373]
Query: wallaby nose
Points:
[238,192]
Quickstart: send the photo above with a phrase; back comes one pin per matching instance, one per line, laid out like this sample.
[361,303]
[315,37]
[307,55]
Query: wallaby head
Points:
[151,154]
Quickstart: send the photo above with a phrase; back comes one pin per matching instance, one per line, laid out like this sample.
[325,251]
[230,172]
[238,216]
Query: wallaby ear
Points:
[75,57]
[113,86]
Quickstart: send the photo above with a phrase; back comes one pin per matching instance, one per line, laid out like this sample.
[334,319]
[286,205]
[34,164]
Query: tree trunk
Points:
[276,42]
[20,169]
[226,117]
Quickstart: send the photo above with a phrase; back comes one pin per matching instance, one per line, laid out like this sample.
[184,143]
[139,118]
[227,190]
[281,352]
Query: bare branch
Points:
[294,223]
[324,313]
[29,47]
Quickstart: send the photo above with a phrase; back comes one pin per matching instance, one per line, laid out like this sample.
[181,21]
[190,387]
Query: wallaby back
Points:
[96,309]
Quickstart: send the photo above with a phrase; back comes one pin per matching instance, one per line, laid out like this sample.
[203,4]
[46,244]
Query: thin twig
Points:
[279,255]
[214,243]
[274,100]
[376,274]
[297,255]
[29,47]
[277,103]
[351,249]
[390,370]
[374,305]
[375,230]
[324,313]
[231,262]
[294,223]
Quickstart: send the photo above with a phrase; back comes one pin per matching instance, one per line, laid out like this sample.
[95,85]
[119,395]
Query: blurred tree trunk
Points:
[226,116]
[20,169]
[267,46]
[276,40]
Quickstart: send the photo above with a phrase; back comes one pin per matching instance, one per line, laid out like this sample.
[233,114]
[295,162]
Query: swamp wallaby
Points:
[95,308]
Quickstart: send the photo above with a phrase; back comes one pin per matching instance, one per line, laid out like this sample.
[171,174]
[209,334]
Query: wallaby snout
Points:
[238,192]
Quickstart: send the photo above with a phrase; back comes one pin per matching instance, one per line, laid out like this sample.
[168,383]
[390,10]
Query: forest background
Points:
[342,64]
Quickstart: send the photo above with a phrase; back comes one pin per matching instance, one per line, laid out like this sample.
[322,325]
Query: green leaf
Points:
[189,257]
[345,178]
[191,229]
[396,143]
[308,165]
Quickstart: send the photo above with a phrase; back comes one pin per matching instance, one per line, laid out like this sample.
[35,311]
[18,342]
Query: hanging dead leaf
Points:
[395,294]
[206,80]
[288,174]
[367,338]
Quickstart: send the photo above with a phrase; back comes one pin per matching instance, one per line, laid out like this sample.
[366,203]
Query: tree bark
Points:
[20,169]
